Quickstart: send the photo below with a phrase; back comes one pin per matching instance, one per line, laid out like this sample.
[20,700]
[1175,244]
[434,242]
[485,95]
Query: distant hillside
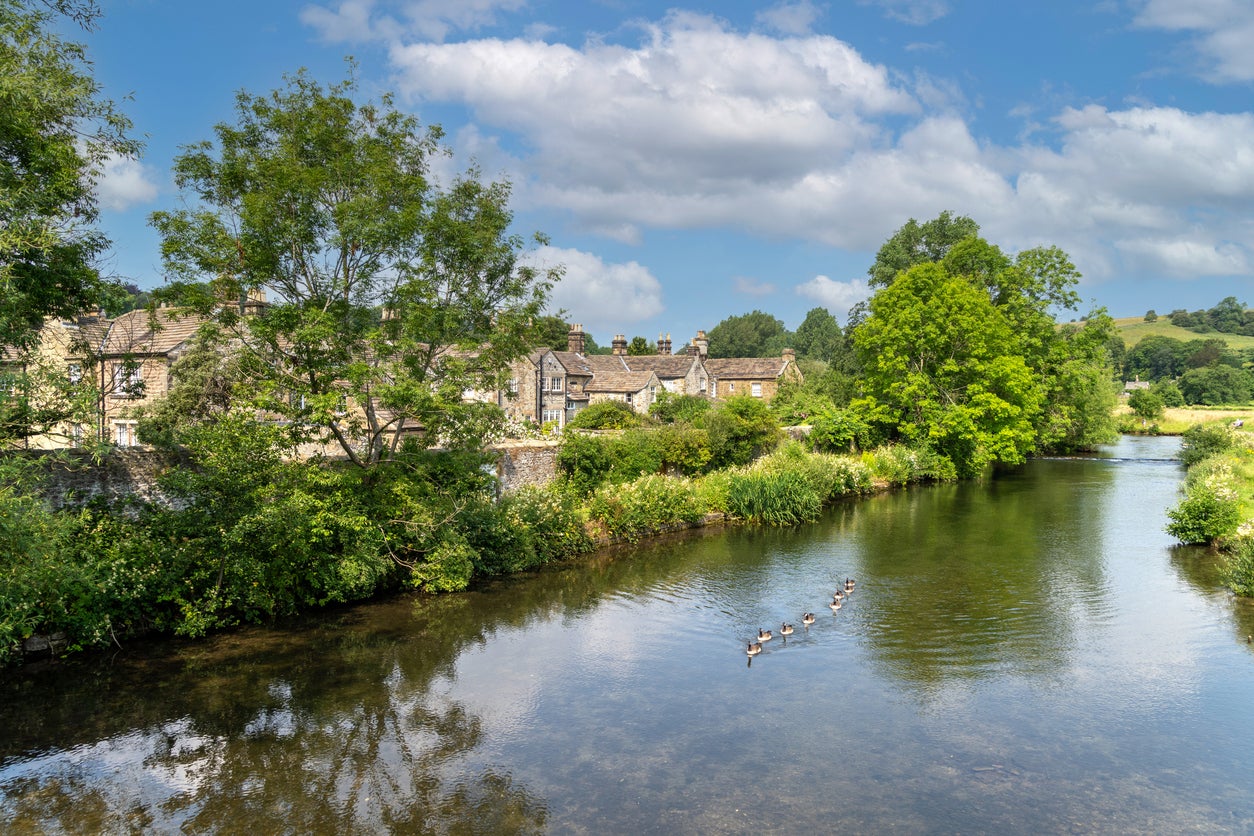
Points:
[1134,328]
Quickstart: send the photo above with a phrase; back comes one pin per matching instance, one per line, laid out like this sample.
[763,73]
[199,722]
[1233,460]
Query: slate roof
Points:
[667,367]
[133,332]
[746,368]
[573,362]
[620,381]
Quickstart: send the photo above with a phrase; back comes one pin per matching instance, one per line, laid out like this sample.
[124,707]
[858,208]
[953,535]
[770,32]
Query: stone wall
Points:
[74,478]
[526,463]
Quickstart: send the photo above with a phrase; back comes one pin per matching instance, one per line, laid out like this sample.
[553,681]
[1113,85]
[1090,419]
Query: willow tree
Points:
[387,296]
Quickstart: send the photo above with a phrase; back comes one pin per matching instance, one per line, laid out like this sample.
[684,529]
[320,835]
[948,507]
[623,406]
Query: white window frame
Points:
[128,380]
[124,433]
[553,415]
[74,372]
[756,389]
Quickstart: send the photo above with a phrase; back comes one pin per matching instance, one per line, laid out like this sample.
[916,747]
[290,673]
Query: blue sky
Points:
[694,161]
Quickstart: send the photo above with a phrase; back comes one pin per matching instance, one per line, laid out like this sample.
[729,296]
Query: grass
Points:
[1133,329]
[1175,420]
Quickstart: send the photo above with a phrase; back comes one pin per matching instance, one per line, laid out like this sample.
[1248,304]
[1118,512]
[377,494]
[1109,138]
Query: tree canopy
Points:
[755,334]
[326,205]
[56,130]
[916,243]
[962,354]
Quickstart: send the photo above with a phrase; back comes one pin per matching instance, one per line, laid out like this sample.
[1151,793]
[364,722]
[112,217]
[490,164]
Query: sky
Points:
[695,161]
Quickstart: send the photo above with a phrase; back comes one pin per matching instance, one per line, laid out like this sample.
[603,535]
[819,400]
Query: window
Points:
[757,389]
[74,372]
[713,388]
[76,435]
[513,386]
[554,384]
[552,415]
[731,387]
[124,433]
[627,397]
[128,382]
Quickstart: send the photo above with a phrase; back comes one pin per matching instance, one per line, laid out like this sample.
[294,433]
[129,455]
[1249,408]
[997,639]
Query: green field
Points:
[1134,328]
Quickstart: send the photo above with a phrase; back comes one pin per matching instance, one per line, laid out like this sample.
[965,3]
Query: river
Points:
[1027,654]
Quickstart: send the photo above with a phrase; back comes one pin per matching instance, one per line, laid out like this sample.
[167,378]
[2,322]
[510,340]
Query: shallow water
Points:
[1026,655]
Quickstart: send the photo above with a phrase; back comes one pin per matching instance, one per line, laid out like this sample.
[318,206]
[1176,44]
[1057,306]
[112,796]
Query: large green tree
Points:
[56,130]
[819,336]
[326,204]
[755,334]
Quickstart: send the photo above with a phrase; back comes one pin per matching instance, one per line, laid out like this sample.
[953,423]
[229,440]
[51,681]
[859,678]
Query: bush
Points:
[551,518]
[584,461]
[670,408]
[838,431]
[683,448]
[1201,441]
[740,429]
[1210,508]
[647,505]
[1146,404]
[605,415]
[1238,568]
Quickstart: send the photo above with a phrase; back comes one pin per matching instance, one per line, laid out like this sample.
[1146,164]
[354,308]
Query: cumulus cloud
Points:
[837,297]
[601,296]
[123,183]
[366,20]
[1224,30]
[799,137]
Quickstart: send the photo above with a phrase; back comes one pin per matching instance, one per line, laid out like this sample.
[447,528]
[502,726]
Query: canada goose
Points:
[754,648]
[808,618]
[785,629]
[764,635]
[849,584]
[835,605]
[837,595]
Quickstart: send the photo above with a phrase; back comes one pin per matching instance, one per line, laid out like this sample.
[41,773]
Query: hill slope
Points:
[1134,328]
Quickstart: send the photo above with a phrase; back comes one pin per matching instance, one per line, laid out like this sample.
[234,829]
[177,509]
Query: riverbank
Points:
[253,543]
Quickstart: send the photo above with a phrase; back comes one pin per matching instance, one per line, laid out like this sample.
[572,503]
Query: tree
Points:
[819,336]
[916,243]
[1156,358]
[56,130]
[1146,404]
[943,368]
[1215,385]
[755,334]
[1150,316]
[640,347]
[325,205]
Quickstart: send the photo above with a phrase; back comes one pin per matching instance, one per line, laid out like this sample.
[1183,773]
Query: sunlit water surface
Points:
[1025,655]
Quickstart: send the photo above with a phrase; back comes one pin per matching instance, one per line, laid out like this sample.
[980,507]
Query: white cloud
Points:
[700,126]
[123,183]
[1224,31]
[601,296]
[789,18]
[752,287]
[359,20]
[914,12]
[837,297]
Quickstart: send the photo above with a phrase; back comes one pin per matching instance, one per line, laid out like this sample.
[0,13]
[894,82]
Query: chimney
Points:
[702,345]
[255,302]
[790,356]
[574,339]
[619,345]
[661,345]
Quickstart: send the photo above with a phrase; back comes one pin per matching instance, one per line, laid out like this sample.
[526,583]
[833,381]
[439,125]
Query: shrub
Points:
[1201,441]
[649,504]
[1146,404]
[1210,508]
[447,568]
[839,431]
[683,448]
[740,429]
[584,460]
[551,518]
[605,415]
[1238,568]
[669,407]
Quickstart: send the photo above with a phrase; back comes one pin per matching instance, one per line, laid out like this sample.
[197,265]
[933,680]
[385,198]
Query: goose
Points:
[835,605]
[807,619]
[754,648]
[785,629]
[837,595]
[849,584]
[764,635]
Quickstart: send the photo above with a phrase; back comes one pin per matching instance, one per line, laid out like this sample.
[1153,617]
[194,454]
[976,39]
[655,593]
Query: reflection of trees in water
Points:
[1202,570]
[324,730]
[329,725]
[977,579]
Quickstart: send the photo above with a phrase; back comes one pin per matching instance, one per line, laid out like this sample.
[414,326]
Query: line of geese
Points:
[786,629]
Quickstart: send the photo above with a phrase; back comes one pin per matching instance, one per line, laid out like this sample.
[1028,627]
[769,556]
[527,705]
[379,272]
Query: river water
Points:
[1029,654]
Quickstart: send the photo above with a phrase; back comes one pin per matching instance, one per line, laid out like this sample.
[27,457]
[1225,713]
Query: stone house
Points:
[135,359]
[759,377]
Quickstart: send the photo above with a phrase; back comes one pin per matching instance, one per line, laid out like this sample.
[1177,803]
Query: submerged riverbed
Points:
[1028,654]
